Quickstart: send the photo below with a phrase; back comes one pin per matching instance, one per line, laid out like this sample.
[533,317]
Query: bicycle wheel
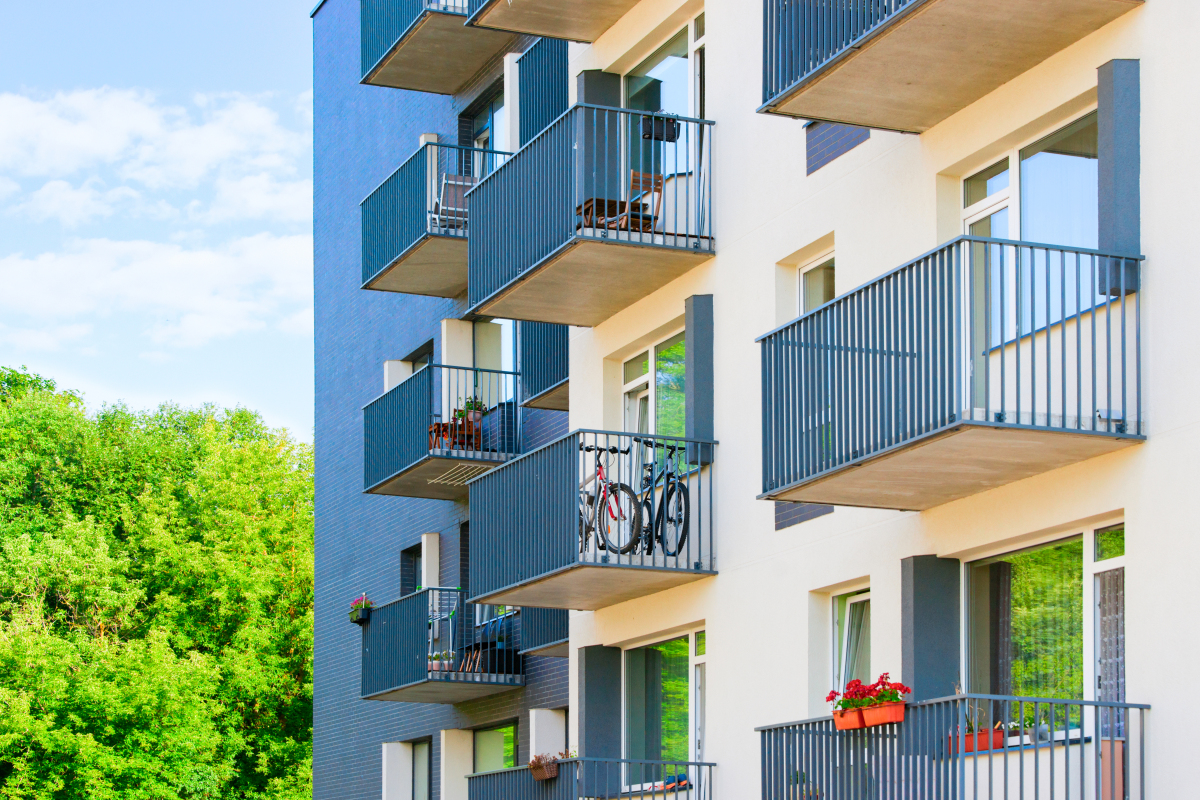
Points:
[647,538]
[619,521]
[675,518]
[587,523]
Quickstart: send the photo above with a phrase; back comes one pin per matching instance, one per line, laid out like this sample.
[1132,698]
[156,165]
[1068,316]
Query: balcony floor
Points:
[588,587]
[556,398]
[951,464]
[573,20]
[435,266]
[940,56]
[441,688]
[438,54]
[588,280]
[442,475]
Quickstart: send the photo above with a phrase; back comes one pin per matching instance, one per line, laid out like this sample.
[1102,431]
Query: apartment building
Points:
[679,363]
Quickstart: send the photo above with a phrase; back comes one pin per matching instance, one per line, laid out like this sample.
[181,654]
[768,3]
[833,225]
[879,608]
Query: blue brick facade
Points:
[825,141]
[361,134]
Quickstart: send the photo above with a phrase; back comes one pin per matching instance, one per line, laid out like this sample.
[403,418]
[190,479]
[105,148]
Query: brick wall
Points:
[825,141]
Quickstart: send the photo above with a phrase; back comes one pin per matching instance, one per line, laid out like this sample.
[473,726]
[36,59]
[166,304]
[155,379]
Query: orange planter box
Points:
[849,720]
[883,714]
[986,740]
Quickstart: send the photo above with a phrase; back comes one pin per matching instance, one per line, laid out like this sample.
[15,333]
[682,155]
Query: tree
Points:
[156,589]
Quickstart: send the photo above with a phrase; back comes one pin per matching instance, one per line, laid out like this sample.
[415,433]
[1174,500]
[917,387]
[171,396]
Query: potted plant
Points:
[544,767]
[435,662]
[979,741]
[863,706]
[360,610]
[473,409]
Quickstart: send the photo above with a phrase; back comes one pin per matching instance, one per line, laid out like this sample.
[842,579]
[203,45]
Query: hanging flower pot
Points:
[973,742]
[543,767]
[360,610]
[883,714]
[848,719]
[862,706]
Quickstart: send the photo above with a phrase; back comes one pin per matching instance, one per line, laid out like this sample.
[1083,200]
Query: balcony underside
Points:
[555,649]
[938,57]
[588,280]
[949,465]
[573,20]
[435,266]
[442,687]
[556,398]
[442,475]
[437,54]
[588,587]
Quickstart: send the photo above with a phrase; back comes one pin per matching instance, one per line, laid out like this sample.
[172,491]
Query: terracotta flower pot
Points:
[475,416]
[849,719]
[883,714]
[984,740]
[545,772]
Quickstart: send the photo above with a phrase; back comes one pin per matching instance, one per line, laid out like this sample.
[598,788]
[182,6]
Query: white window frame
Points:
[648,381]
[1091,568]
[808,266]
[693,46]
[1010,196]
[836,668]
[693,662]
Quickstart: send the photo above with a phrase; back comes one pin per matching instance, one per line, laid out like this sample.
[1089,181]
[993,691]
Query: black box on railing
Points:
[659,129]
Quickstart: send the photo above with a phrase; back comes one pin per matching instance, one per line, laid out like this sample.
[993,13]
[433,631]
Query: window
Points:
[852,638]
[489,127]
[660,83]
[657,406]
[422,767]
[816,285]
[664,704]
[496,748]
[410,570]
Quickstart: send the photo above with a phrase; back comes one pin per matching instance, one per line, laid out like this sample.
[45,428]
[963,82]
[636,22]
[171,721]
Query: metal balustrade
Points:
[545,631]
[533,541]
[594,178]
[970,746]
[599,779]
[440,427]
[386,22]
[545,365]
[434,646]
[982,333]
[415,224]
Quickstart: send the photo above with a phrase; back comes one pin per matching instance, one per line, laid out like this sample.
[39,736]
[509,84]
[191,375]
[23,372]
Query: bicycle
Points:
[668,523]
[617,525]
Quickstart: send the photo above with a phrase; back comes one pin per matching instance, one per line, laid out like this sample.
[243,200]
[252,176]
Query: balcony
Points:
[907,65]
[545,632]
[545,366]
[599,210]
[438,429]
[970,747]
[435,647]
[978,364]
[538,539]
[573,20]
[414,226]
[599,779]
[423,45]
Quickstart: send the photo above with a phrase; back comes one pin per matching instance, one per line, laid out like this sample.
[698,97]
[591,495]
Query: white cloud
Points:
[60,200]
[257,197]
[8,187]
[188,296]
[47,338]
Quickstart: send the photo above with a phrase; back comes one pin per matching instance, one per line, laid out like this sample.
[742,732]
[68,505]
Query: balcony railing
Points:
[414,226]
[599,779]
[552,227]
[438,429]
[594,519]
[545,365]
[423,45]
[978,335]
[435,647]
[870,63]
[970,747]
[545,631]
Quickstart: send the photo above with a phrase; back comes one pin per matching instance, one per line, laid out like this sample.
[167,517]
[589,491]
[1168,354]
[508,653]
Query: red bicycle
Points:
[608,508]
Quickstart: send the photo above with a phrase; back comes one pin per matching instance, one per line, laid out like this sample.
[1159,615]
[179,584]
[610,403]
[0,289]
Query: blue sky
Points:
[156,201]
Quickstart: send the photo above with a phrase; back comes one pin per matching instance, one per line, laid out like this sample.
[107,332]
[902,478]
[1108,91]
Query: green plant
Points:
[473,404]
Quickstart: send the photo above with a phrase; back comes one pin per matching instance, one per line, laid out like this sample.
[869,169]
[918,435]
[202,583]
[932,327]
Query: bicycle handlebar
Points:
[651,443]
[614,450]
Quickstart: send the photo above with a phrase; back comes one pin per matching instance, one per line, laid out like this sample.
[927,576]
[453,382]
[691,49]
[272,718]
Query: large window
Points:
[655,381]
[852,638]
[496,748]
[664,704]
[422,767]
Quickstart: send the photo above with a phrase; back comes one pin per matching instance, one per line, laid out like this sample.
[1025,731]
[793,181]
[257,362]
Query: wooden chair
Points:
[634,216]
[450,210]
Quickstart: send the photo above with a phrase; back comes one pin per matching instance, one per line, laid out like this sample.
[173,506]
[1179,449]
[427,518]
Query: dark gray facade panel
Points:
[825,141]
[929,625]
[1119,139]
[698,366]
[599,710]
[361,134]
[543,87]
[598,88]
[789,514]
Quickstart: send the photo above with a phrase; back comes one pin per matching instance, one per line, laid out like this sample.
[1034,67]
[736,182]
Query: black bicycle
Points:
[609,509]
[669,522]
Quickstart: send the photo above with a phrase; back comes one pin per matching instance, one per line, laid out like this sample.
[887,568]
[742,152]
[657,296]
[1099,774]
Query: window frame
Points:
[1091,569]
[696,78]
[840,638]
[515,723]
[816,262]
[646,382]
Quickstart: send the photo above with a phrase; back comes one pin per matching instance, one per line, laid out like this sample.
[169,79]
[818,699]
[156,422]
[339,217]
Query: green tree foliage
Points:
[156,591]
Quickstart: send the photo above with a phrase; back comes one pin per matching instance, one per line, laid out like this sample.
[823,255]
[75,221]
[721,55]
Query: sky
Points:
[156,202]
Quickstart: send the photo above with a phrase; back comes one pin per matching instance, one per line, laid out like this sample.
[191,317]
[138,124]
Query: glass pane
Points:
[637,410]
[637,366]
[700,643]
[1060,187]
[699,27]
[669,382]
[496,749]
[420,771]
[1110,542]
[857,654]
[660,83]
[818,286]
[656,704]
[1110,606]
[1026,623]
[983,185]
